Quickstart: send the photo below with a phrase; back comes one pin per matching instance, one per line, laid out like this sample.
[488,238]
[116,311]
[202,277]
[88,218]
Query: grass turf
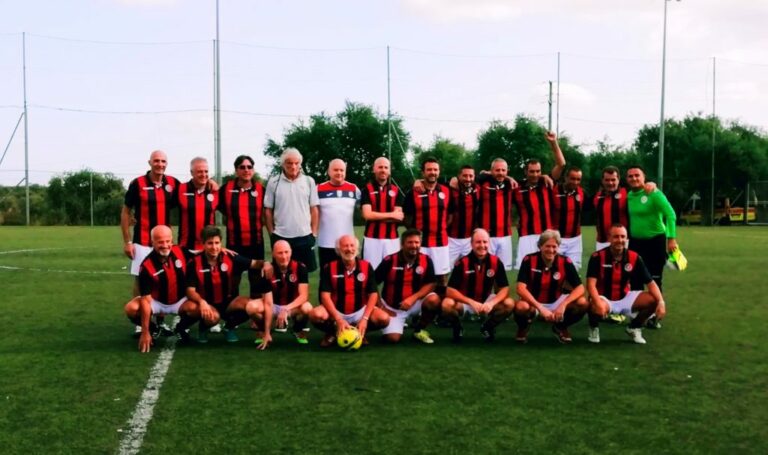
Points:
[70,374]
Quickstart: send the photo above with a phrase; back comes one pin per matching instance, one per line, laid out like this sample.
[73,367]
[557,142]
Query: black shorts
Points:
[327,255]
[252,251]
[654,254]
[303,249]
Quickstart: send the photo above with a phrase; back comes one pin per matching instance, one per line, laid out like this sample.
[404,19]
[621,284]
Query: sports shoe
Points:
[458,333]
[154,330]
[231,335]
[301,337]
[562,334]
[202,335]
[182,336]
[652,323]
[328,341]
[137,331]
[616,318]
[522,334]
[281,328]
[488,333]
[636,335]
[216,328]
[423,336]
[165,331]
[594,335]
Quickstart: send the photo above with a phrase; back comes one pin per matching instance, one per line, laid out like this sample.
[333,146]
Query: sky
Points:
[108,81]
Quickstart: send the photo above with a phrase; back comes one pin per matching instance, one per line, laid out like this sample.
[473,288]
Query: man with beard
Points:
[382,209]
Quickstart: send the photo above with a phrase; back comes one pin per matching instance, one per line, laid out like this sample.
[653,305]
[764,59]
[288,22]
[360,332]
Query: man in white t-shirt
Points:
[337,199]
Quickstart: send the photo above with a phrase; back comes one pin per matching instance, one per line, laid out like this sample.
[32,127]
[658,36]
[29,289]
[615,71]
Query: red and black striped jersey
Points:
[493,213]
[349,289]
[429,211]
[534,207]
[566,210]
[614,278]
[547,283]
[164,278]
[151,204]
[285,285]
[196,210]
[216,283]
[381,199]
[402,279]
[610,208]
[463,209]
[476,278]
[243,208]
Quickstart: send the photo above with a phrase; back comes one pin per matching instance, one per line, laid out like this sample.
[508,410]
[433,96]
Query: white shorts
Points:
[161,308]
[441,258]
[526,244]
[353,318]
[600,245]
[458,248]
[571,248]
[375,250]
[469,311]
[623,306]
[502,247]
[554,305]
[140,252]
[397,322]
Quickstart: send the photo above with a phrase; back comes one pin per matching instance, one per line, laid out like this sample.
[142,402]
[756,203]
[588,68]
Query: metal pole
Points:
[557,122]
[26,131]
[217,100]
[549,102]
[389,113]
[91,185]
[663,81]
[714,126]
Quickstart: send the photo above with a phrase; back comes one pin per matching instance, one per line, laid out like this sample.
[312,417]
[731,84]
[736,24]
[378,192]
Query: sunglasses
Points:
[245,167]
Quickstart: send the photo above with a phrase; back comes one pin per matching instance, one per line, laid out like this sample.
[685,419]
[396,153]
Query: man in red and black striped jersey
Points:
[337,201]
[478,286]
[610,204]
[241,200]
[427,211]
[382,209]
[610,273]
[348,295]
[162,284]
[462,210]
[408,279]
[289,289]
[494,212]
[533,200]
[197,205]
[549,287]
[212,278]
[567,206]
[148,202]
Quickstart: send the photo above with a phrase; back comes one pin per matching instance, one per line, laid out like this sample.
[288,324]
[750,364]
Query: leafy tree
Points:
[68,198]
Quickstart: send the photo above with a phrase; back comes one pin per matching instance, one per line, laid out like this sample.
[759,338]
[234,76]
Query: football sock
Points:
[594,320]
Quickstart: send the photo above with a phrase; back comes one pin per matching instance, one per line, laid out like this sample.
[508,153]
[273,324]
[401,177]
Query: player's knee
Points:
[392,337]
[254,307]
[305,308]
[448,305]
[581,304]
[431,302]
[522,308]
[318,315]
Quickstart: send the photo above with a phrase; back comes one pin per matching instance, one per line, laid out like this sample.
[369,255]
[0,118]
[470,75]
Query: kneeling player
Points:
[409,285]
[212,289]
[289,287]
[162,284]
[470,289]
[609,276]
[549,288]
[348,295]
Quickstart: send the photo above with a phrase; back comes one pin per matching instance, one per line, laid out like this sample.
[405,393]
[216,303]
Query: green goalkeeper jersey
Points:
[650,215]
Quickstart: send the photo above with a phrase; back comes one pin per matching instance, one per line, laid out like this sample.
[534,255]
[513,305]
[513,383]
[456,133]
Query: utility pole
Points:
[26,125]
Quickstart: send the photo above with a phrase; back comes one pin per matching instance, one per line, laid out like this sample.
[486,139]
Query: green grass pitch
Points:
[70,374]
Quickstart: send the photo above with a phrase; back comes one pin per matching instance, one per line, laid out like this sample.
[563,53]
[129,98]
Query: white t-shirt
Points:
[290,201]
[337,209]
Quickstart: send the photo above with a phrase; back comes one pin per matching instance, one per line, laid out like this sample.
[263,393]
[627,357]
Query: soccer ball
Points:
[350,339]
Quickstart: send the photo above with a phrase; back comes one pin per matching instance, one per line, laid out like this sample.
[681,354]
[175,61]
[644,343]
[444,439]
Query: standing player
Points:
[241,201]
[338,199]
[408,279]
[289,287]
[479,286]
[148,201]
[609,274]
[382,208]
[494,212]
[212,292]
[533,200]
[652,232]
[610,204]
[197,203]
[462,210]
[427,211]
[348,295]
[567,206]
[162,285]
[549,287]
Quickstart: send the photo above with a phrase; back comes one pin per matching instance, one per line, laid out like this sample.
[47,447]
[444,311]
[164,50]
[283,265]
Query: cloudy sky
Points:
[108,81]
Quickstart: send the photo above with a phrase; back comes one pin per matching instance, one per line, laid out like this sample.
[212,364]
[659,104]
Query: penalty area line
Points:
[85,272]
[133,437]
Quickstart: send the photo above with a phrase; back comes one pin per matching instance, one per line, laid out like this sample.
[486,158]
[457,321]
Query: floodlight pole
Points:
[663,83]
[714,127]
[91,187]
[557,121]
[549,103]
[217,100]
[26,131]
[389,113]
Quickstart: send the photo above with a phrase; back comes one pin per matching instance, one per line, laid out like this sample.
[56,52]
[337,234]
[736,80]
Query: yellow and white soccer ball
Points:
[350,339]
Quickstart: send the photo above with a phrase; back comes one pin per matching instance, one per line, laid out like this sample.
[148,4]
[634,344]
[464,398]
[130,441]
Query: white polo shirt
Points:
[290,201]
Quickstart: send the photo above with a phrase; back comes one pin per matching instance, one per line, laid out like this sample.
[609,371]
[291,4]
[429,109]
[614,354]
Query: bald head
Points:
[158,161]
[381,170]
[337,171]
[162,239]
[281,253]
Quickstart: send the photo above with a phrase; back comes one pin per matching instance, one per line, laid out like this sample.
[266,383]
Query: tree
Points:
[451,156]
[68,198]
[358,135]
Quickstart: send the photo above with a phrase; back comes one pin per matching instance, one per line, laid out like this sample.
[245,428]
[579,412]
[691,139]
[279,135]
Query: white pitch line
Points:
[34,269]
[137,424]
[30,250]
